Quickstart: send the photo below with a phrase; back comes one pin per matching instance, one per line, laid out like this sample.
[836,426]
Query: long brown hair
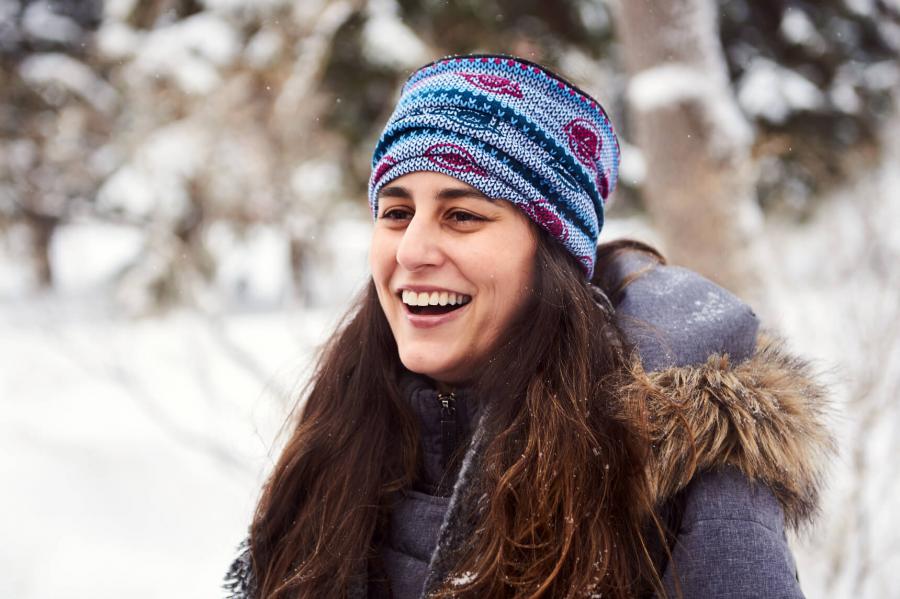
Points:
[567,502]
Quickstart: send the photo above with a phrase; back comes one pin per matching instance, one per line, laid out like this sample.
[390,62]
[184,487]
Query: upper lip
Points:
[426,289]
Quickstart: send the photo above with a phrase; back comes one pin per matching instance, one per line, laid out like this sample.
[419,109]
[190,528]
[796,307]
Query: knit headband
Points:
[512,130]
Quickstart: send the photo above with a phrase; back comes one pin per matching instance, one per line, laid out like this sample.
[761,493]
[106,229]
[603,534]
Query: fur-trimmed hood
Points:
[719,391]
[765,416]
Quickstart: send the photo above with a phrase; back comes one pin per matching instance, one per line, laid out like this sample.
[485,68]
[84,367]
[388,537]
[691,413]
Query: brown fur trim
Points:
[766,416]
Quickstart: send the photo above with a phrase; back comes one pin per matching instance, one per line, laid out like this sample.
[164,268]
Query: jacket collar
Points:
[446,417]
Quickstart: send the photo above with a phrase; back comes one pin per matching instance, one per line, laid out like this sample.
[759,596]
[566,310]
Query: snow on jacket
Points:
[739,441]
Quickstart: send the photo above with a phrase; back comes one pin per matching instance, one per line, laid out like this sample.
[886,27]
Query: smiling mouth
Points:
[432,310]
[434,304]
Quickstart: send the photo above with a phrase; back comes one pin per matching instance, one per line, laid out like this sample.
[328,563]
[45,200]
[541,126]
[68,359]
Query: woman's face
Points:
[452,269]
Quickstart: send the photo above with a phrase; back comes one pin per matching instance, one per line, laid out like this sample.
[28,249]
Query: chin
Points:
[423,364]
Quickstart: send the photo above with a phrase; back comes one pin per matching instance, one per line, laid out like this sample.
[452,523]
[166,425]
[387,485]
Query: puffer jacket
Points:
[739,438]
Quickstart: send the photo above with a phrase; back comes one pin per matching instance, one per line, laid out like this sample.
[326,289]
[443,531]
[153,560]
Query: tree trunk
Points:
[699,188]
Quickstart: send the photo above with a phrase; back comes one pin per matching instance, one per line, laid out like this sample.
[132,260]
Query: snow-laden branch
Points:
[671,84]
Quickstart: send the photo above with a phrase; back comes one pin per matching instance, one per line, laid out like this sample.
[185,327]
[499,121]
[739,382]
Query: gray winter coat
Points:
[753,411]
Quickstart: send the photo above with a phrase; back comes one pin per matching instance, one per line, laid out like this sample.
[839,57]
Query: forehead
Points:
[427,185]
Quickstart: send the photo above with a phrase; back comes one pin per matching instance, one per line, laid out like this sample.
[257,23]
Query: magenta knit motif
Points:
[584,141]
[454,157]
[493,83]
[384,166]
[540,212]
[602,183]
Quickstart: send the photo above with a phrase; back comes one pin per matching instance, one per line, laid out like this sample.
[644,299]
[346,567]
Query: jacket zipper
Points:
[449,431]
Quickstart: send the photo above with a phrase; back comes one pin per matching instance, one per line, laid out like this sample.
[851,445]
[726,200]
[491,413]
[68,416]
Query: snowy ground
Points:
[135,448]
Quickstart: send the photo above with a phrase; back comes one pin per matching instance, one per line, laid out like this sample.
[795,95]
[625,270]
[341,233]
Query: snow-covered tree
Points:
[699,187]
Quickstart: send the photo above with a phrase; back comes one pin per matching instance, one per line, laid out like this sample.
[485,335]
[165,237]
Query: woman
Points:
[488,423]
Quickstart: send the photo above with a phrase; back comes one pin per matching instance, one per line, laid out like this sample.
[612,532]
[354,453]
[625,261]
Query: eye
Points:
[459,216]
[395,214]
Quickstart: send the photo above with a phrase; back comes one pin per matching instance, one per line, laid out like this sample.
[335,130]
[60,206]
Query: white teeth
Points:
[435,298]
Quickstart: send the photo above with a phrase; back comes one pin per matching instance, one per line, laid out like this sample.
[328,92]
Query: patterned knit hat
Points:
[512,130]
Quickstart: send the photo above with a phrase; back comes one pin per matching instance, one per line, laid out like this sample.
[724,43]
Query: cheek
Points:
[382,253]
[518,277]
[510,287]
[517,257]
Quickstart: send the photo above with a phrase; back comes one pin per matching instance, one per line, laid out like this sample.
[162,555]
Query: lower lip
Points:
[421,321]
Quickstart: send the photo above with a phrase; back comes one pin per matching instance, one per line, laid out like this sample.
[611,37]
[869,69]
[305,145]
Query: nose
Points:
[420,245]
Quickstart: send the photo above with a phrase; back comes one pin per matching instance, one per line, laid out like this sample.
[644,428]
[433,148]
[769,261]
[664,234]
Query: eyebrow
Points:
[448,193]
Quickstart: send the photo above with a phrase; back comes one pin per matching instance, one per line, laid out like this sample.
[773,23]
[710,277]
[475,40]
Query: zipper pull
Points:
[448,427]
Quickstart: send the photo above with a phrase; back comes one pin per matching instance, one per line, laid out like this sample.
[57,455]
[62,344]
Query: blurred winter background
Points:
[182,220]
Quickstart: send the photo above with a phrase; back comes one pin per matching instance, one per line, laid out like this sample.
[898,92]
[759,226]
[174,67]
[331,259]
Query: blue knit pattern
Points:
[513,130]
